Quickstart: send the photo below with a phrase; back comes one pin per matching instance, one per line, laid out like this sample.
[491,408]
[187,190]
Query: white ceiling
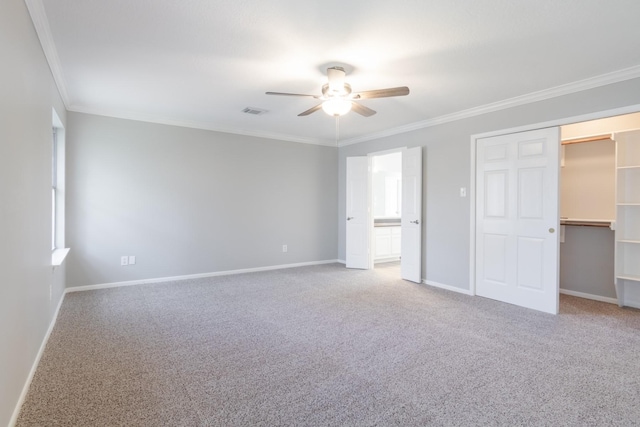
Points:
[200,62]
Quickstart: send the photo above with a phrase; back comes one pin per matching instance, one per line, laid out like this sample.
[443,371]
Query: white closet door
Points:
[517,219]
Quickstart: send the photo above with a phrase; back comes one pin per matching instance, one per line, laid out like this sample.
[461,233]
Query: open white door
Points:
[411,243]
[357,251]
[517,218]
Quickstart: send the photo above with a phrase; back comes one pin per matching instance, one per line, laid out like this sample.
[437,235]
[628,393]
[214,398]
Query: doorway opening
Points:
[402,198]
[600,209]
[386,207]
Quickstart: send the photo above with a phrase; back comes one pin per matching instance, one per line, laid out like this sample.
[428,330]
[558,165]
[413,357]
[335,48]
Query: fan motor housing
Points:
[329,94]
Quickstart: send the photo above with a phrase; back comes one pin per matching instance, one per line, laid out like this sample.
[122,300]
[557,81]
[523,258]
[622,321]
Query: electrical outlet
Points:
[124,260]
[463,191]
[284,248]
[132,259]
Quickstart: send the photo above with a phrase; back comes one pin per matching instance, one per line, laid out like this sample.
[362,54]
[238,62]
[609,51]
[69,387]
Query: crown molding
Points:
[150,118]
[41,25]
[566,89]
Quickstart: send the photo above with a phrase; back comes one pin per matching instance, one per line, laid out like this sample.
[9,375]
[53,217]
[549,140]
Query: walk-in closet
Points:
[600,210]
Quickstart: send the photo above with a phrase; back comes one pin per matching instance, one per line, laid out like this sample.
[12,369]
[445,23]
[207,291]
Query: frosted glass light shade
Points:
[336,107]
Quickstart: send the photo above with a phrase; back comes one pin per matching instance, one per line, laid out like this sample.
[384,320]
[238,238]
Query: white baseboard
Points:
[341,261]
[447,287]
[630,292]
[383,260]
[34,366]
[589,296]
[194,276]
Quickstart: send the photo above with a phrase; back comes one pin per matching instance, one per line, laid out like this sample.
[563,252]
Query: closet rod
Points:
[588,139]
[585,223]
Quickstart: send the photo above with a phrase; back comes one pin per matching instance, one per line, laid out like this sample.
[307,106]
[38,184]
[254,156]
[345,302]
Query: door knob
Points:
[349,218]
[552,230]
[415,222]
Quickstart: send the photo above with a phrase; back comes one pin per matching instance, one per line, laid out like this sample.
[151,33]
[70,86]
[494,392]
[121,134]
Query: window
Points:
[57,192]
[54,188]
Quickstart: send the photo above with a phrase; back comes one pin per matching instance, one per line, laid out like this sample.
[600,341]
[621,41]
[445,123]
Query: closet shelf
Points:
[631,277]
[586,222]
[627,247]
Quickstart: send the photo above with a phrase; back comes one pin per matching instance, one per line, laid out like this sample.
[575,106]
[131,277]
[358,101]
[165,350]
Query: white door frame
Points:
[472,187]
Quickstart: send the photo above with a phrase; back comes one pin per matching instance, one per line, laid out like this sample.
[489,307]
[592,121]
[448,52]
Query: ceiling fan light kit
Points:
[336,106]
[338,99]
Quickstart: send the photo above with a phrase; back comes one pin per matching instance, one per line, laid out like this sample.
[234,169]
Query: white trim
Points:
[472,187]
[34,366]
[635,108]
[472,218]
[385,260]
[58,256]
[152,118]
[590,83]
[602,80]
[43,30]
[446,287]
[55,119]
[385,152]
[195,276]
[589,296]
[566,89]
[41,24]
[341,261]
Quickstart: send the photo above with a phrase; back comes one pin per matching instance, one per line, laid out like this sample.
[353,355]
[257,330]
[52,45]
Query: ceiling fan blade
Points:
[290,94]
[310,110]
[382,93]
[362,110]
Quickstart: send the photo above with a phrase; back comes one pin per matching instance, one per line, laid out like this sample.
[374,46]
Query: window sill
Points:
[58,256]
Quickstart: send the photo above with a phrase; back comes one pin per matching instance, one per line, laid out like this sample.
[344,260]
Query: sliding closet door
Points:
[517,218]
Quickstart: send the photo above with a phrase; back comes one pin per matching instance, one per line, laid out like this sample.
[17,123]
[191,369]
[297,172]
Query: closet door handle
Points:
[552,230]
[415,222]
[349,218]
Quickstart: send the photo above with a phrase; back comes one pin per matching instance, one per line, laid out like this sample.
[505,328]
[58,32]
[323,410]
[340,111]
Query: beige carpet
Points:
[324,345]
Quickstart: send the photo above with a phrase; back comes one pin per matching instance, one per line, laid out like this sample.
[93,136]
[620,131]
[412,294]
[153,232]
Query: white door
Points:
[357,255]
[517,218]
[411,240]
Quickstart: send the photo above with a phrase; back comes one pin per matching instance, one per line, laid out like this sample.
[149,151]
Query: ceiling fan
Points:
[337,98]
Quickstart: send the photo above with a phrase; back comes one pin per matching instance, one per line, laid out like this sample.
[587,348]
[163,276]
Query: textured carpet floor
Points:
[324,345]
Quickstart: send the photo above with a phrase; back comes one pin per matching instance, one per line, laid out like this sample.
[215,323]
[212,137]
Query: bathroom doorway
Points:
[386,201]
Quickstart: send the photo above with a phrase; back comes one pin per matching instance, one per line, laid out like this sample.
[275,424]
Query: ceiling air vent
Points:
[254,111]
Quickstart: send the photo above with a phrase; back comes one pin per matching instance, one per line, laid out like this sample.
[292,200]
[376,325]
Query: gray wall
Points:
[187,201]
[30,289]
[446,166]
[587,261]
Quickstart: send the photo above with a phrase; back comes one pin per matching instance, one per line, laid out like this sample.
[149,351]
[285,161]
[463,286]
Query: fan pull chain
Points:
[337,129]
